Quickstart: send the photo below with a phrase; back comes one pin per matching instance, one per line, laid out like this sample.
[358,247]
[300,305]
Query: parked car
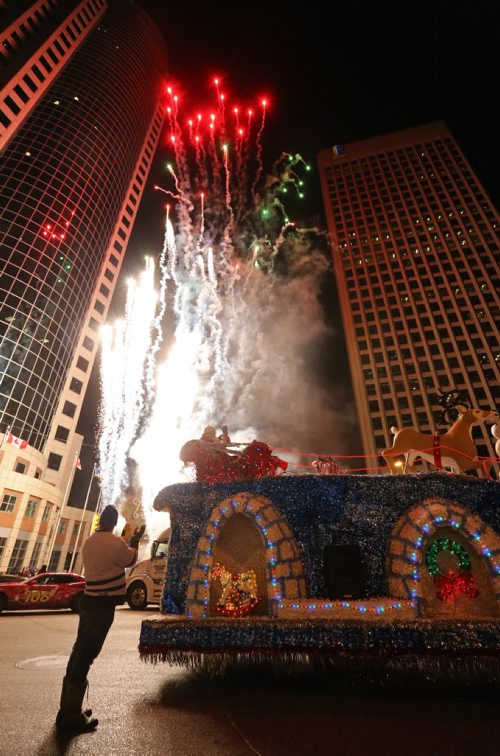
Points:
[6,578]
[52,590]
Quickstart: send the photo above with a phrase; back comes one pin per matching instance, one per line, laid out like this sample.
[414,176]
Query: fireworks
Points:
[243,282]
[126,352]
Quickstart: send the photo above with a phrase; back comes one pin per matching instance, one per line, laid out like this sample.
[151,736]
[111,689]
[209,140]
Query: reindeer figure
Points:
[495,432]
[454,449]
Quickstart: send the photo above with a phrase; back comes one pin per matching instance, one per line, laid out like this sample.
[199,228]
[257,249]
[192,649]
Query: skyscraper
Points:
[80,117]
[415,248]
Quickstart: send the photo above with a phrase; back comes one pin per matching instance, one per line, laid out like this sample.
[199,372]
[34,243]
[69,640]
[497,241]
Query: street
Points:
[147,709]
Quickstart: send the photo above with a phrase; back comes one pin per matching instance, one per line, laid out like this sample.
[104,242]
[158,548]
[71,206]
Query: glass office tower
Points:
[81,113]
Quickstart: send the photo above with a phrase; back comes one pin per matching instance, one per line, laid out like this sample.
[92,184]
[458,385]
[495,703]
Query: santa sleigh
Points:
[214,464]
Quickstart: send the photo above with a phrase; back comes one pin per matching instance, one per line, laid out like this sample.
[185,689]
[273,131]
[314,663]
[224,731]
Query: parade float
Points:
[315,568]
[263,563]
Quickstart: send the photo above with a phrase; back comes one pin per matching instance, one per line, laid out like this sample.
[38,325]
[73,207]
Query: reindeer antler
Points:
[450,401]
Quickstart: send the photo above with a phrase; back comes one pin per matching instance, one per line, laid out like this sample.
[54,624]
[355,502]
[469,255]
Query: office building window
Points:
[76,386]
[8,503]
[82,364]
[54,560]
[35,554]
[88,344]
[62,434]
[18,553]
[54,462]
[69,409]
[30,508]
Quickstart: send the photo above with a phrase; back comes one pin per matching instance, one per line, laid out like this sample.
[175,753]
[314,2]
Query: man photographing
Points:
[105,557]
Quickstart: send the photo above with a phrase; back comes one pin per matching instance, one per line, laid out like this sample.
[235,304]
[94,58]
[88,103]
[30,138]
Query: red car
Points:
[51,590]
[6,578]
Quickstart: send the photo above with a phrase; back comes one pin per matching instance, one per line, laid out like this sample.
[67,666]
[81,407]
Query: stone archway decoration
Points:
[285,571]
[405,559]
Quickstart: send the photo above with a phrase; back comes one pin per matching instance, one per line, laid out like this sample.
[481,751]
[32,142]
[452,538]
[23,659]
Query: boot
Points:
[87,712]
[70,717]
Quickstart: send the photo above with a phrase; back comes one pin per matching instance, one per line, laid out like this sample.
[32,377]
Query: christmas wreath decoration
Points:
[453,582]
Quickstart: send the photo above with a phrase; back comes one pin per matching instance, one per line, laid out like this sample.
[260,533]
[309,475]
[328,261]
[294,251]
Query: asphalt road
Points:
[147,709]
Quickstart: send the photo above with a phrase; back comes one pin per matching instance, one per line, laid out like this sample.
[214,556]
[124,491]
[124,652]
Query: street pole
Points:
[63,504]
[96,511]
[73,557]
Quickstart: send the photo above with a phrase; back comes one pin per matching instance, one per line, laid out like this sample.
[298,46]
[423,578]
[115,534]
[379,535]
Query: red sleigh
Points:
[216,465]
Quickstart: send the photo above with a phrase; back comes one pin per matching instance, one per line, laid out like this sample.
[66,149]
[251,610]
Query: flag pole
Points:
[91,524]
[63,504]
[73,557]
[5,435]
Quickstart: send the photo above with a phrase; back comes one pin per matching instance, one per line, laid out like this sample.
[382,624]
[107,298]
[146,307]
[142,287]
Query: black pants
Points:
[96,617]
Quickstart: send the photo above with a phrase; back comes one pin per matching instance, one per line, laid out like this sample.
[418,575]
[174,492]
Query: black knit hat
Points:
[108,518]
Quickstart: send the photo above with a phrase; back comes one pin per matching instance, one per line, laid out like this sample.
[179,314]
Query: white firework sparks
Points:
[242,329]
[125,351]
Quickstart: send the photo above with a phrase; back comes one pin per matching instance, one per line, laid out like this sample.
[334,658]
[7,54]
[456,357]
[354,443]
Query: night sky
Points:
[362,72]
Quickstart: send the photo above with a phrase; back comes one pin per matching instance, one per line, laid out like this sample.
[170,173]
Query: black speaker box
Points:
[344,572]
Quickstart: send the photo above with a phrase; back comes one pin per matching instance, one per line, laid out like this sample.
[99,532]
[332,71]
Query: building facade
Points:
[415,247]
[81,111]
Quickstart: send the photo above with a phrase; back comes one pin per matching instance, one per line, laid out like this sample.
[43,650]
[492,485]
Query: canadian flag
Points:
[78,464]
[15,441]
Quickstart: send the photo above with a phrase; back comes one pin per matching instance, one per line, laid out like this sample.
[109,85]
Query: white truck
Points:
[145,579]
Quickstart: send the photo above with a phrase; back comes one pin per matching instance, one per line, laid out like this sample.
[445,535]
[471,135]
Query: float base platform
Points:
[470,648]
